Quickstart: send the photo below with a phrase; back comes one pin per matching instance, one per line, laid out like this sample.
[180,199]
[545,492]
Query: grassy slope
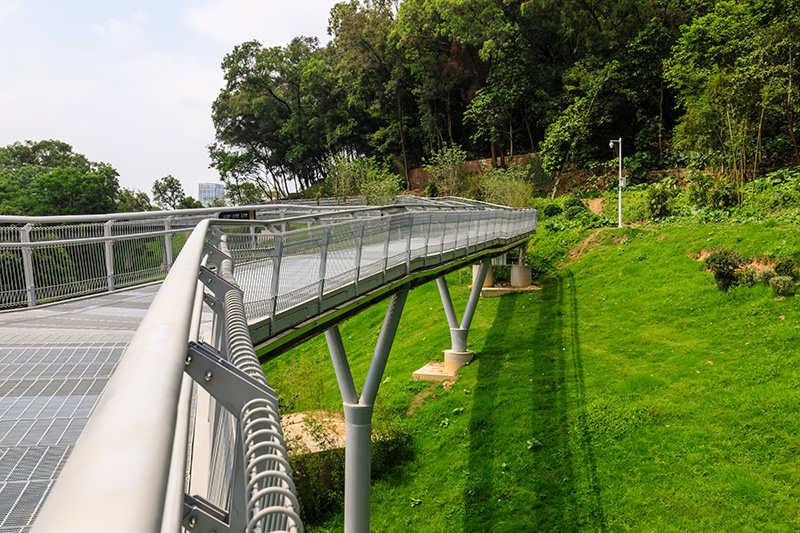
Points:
[628,394]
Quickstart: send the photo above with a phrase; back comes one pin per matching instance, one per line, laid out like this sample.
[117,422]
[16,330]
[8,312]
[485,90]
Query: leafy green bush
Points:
[723,264]
[506,187]
[764,275]
[785,267]
[782,285]
[551,210]
[444,167]
[573,201]
[573,211]
[659,199]
[746,276]
[431,190]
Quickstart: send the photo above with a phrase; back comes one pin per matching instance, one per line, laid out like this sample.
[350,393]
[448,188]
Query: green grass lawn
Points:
[628,394]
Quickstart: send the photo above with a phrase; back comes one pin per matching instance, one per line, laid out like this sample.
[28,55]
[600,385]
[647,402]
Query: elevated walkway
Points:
[186,434]
[54,363]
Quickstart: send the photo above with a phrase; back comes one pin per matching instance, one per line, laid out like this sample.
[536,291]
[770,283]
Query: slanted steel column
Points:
[358,414]
[458,354]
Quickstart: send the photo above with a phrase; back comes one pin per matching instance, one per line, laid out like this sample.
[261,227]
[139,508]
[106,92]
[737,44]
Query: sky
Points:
[131,83]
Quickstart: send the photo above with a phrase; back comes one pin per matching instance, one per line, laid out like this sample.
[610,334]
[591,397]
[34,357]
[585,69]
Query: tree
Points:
[131,201]
[168,192]
[275,116]
[189,203]
[49,178]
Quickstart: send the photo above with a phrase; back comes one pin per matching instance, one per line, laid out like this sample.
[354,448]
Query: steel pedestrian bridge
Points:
[147,409]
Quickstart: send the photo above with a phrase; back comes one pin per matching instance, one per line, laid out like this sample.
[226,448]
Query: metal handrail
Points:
[125,460]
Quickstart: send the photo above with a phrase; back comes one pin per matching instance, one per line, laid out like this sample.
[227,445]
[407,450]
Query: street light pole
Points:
[621,182]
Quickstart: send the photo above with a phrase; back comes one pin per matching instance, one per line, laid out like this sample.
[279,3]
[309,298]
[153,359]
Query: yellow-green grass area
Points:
[628,394]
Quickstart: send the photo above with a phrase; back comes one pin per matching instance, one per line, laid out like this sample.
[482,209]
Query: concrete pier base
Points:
[489,280]
[454,360]
[520,276]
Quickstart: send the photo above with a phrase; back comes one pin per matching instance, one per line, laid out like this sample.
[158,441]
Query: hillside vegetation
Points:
[628,394]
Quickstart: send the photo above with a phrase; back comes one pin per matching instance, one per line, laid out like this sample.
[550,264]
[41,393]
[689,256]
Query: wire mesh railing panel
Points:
[12,279]
[341,251]
[65,232]
[139,260]
[223,455]
[61,271]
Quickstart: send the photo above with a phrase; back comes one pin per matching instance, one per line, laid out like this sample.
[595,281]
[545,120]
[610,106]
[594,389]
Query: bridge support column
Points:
[458,354]
[358,414]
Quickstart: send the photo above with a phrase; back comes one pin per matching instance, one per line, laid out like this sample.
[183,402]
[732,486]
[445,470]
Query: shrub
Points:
[506,187]
[659,201]
[573,211]
[785,267]
[444,167]
[747,276]
[431,190]
[723,264]
[782,285]
[763,276]
[573,201]
[551,210]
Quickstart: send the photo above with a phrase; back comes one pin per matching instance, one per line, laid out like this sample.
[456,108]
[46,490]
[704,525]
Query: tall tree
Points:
[168,192]
[49,178]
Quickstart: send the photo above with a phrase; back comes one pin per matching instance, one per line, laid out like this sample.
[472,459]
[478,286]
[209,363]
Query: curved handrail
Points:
[121,464]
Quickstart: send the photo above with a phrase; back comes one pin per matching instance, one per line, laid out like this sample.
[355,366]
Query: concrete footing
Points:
[436,371]
[489,280]
[520,276]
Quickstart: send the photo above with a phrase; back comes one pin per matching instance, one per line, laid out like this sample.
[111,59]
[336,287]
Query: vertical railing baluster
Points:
[27,263]
[109,251]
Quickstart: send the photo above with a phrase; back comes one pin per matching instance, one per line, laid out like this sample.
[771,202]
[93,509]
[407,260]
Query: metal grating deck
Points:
[54,364]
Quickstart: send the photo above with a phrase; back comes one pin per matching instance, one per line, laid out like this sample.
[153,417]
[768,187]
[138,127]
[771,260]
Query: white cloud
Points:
[122,30]
[273,23]
[8,8]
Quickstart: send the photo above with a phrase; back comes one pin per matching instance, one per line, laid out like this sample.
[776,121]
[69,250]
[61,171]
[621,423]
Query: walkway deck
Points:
[54,363]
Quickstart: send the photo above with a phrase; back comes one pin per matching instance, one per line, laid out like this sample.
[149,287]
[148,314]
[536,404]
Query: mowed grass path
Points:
[628,394]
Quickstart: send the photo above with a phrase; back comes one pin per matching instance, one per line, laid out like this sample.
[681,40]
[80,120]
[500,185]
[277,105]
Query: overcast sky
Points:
[131,83]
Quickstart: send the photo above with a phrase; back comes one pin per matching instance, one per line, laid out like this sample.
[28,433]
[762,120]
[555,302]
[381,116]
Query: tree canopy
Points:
[49,178]
[685,83]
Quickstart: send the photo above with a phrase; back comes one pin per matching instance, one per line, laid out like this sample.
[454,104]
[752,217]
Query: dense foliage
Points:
[49,178]
[696,83]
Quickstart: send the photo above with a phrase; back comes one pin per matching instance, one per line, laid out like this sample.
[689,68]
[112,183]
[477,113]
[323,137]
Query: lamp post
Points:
[621,181]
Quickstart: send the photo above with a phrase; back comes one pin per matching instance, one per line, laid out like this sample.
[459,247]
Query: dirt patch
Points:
[582,247]
[419,399]
[596,205]
[313,431]
[757,263]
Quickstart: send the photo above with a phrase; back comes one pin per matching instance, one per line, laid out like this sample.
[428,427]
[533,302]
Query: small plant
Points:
[573,212]
[431,191]
[573,201]
[785,267]
[551,210]
[782,285]
[723,264]
[764,275]
[747,276]
[659,200]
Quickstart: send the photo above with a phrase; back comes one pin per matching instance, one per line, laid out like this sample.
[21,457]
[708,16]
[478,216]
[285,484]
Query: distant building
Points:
[207,193]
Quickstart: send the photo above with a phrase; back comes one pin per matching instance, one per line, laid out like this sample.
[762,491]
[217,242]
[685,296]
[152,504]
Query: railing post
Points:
[168,242]
[276,271]
[323,262]
[27,264]
[359,247]
[386,246]
[109,250]
[408,242]
[428,238]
